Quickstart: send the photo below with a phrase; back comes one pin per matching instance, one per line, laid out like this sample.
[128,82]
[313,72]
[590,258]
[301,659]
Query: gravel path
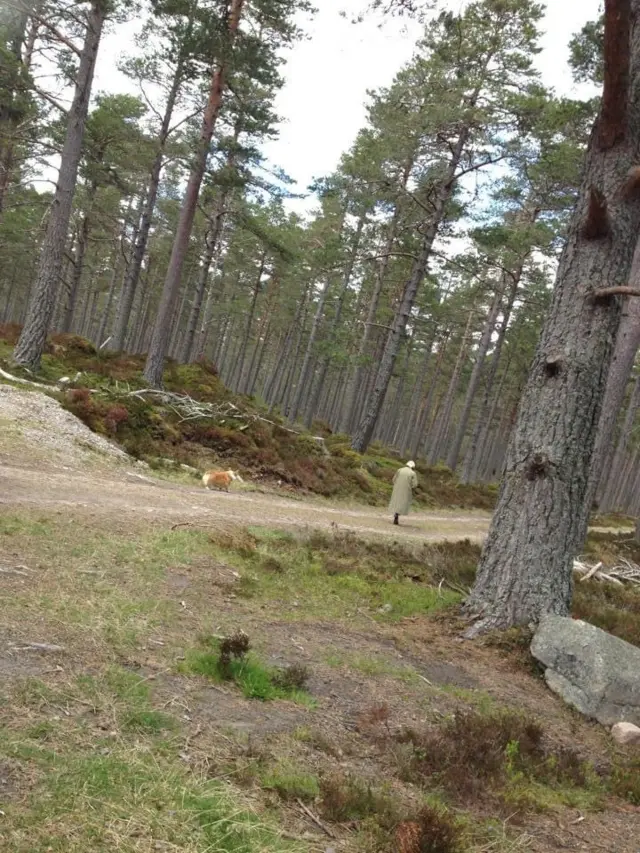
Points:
[50,459]
[139,496]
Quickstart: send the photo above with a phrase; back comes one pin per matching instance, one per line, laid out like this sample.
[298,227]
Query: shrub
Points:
[432,831]
[114,416]
[625,781]
[473,752]
[232,648]
[346,798]
[293,678]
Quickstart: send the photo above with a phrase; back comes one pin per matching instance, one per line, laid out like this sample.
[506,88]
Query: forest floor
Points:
[118,731]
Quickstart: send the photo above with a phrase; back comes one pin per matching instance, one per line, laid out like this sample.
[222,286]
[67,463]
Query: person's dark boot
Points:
[395,519]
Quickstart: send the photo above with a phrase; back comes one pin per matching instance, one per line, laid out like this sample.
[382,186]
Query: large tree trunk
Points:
[30,346]
[160,338]
[624,354]
[525,570]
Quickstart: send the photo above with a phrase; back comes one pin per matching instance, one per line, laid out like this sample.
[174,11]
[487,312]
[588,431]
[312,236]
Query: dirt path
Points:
[132,493]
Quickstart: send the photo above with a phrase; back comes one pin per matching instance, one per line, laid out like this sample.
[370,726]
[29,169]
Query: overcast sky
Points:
[327,76]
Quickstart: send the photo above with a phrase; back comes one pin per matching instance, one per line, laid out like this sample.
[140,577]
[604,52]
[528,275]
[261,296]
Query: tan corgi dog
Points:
[220,479]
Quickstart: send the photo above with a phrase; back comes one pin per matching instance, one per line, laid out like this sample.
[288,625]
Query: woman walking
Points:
[404,482]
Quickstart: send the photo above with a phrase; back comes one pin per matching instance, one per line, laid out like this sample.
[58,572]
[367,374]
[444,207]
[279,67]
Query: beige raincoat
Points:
[404,482]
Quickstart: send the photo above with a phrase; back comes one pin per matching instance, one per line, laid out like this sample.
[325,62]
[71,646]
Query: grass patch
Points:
[338,575]
[372,665]
[291,783]
[229,659]
[84,800]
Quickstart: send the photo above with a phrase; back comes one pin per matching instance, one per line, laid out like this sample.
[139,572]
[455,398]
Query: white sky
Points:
[328,75]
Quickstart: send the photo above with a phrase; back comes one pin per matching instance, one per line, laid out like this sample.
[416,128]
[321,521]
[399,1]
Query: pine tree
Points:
[526,566]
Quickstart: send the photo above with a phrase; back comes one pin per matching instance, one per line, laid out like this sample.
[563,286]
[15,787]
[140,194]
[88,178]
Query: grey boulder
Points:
[595,672]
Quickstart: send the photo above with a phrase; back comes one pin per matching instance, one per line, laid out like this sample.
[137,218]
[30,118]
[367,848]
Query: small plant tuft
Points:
[236,647]
[292,678]
[347,798]
[434,830]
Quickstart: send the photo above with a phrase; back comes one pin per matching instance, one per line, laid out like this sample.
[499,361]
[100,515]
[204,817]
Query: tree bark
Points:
[626,348]
[30,346]
[611,491]
[160,338]
[526,566]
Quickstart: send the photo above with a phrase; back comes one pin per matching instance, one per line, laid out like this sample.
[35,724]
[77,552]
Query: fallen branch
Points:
[11,570]
[625,572]
[21,381]
[38,647]
[315,819]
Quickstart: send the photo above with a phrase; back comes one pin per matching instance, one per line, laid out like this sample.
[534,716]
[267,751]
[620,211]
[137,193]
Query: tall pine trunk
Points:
[624,354]
[526,566]
[375,402]
[474,380]
[303,378]
[30,346]
[160,338]
[478,436]
[359,370]
[335,323]
[132,278]
[82,243]
[441,430]
[238,384]
[212,238]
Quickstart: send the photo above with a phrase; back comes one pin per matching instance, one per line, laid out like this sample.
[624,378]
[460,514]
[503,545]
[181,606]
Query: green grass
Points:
[290,569]
[255,680]
[373,666]
[290,782]
[108,788]
[117,793]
